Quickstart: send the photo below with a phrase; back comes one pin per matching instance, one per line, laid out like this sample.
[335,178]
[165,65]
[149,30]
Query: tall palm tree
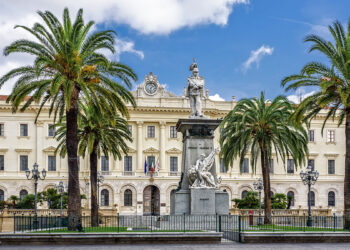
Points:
[261,128]
[333,90]
[96,133]
[68,64]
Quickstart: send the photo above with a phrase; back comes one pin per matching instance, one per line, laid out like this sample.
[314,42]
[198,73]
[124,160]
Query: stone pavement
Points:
[301,246]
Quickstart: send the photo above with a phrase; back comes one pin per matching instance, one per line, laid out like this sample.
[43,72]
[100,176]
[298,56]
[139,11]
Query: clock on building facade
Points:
[151,87]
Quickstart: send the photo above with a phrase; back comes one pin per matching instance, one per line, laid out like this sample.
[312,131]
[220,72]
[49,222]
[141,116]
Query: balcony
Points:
[128,173]
[174,173]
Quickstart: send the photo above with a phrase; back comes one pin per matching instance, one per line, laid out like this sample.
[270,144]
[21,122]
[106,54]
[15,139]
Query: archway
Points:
[151,200]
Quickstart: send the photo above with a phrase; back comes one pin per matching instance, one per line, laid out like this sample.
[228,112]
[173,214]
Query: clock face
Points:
[151,88]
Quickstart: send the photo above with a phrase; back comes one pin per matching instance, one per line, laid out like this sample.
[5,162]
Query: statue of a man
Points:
[199,174]
[195,86]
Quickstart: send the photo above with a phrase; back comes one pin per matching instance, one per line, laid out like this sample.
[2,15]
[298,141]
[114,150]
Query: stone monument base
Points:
[199,201]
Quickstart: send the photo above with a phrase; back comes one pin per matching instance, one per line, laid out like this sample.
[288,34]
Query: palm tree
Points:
[333,90]
[261,128]
[68,65]
[96,133]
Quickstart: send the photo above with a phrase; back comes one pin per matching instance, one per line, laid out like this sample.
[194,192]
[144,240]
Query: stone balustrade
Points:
[288,212]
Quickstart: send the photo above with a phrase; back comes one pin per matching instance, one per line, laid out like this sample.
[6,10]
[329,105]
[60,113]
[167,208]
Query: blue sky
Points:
[222,35]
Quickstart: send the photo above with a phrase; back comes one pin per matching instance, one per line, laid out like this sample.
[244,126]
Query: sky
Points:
[242,47]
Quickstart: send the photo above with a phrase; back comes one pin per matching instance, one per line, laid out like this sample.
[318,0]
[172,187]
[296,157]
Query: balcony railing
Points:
[172,173]
[128,173]
[106,173]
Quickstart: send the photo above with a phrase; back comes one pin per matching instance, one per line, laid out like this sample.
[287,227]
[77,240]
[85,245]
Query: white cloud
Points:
[216,97]
[122,46]
[300,95]
[256,56]
[157,17]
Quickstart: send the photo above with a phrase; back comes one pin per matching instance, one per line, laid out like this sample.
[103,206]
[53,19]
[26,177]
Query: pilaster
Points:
[139,145]
[162,146]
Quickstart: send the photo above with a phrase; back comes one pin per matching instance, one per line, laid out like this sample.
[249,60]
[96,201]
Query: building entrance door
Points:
[151,200]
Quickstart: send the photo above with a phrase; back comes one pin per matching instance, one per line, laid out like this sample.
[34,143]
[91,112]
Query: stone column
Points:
[162,146]
[39,143]
[139,145]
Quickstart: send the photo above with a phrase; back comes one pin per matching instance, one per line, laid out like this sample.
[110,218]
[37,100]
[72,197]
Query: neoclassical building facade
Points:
[132,190]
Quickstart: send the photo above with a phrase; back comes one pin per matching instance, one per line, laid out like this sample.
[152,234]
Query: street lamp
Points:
[309,178]
[60,189]
[36,176]
[259,185]
[100,179]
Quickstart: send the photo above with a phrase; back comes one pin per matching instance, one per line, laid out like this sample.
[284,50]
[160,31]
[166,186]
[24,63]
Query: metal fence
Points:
[230,225]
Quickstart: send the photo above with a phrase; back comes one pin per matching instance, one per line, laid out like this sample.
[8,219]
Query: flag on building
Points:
[157,166]
[152,168]
[145,166]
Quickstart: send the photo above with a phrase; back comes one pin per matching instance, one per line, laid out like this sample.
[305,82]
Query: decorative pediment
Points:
[174,151]
[313,154]
[23,150]
[3,150]
[131,150]
[151,150]
[50,149]
[331,155]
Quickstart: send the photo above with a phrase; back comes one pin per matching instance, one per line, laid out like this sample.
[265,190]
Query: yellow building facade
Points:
[128,188]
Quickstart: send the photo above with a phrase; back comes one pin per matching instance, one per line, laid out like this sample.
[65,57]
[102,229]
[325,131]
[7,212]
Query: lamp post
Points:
[60,189]
[36,176]
[309,177]
[259,185]
[100,179]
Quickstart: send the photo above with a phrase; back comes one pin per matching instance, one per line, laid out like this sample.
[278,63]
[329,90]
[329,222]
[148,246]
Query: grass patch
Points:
[293,228]
[111,230]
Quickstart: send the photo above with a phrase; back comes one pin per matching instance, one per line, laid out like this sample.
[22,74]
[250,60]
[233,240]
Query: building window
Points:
[331,136]
[271,166]
[130,129]
[104,163]
[151,131]
[244,193]
[173,164]
[245,166]
[331,199]
[105,197]
[222,166]
[290,166]
[173,132]
[52,130]
[51,163]
[311,135]
[23,162]
[311,163]
[312,194]
[2,129]
[127,163]
[290,196]
[24,130]
[2,195]
[2,162]
[128,198]
[23,193]
[331,166]
[150,161]
[271,193]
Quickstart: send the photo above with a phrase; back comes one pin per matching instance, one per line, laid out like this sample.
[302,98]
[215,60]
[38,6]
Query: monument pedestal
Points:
[198,135]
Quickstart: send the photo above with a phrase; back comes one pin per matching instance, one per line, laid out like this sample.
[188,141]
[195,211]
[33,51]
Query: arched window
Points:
[312,198]
[104,197]
[331,199]
[128,198]
[244,193]
[290,195]
[2,195]
[22,194]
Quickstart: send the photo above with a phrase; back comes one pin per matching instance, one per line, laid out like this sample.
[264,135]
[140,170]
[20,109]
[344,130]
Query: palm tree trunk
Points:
[347,173]
[266,180]
[74,199]
[93,184]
